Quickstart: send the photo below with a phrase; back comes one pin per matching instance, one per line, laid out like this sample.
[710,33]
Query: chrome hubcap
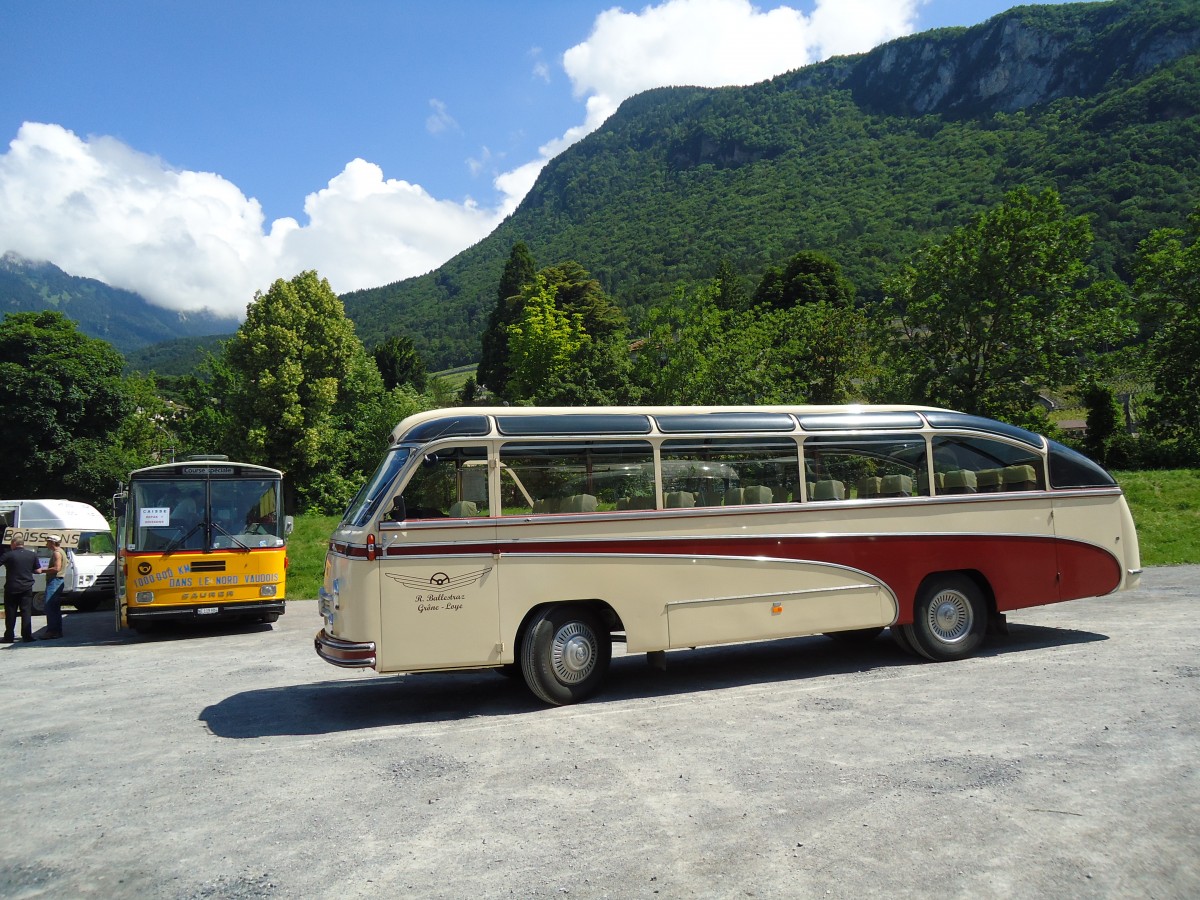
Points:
[950,617]
[573,653]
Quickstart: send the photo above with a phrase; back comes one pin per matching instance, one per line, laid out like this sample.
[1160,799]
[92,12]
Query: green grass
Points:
[1165,504]
[1166,511]
[306,555]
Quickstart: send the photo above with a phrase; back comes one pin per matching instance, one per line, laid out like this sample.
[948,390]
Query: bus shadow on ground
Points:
[386,701]
[98,628]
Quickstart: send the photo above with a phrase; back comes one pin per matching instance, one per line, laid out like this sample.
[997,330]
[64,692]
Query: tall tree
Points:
[299,379]
[697,352]
[399,363]
[493,369]
[731,295]
[1168,280]
[576,292]
[997,309]
[61,408]
[543,342]
[808,277]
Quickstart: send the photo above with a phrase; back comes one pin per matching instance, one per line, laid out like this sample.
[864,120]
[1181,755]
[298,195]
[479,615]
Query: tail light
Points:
[371,550]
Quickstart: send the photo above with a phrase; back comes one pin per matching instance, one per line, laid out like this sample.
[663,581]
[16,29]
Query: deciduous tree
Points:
[996,310]
[300,378]
[62,404]
[1168,279]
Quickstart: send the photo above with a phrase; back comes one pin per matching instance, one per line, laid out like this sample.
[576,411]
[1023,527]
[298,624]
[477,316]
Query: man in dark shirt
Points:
[20,565]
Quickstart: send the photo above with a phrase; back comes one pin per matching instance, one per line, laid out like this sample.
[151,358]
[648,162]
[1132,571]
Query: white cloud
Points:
[365,230]
[192,240]
[440,120]
[189,240]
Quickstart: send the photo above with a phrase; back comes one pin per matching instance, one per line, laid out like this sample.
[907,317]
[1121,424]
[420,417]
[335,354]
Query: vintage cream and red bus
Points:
[534,538]
[201,540]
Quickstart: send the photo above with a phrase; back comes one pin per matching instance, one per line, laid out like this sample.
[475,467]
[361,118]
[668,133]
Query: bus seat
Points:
[780,493]
[939,481]
[829,489]
[548,505]
[990,480]
[896,486]
[960,481]
[870,486]
[734,497]
[579,503]
[678,500]
[635,503]
[463,509]
[757,493]
[1020,478]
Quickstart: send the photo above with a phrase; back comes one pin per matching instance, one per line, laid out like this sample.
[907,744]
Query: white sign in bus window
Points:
[154,515]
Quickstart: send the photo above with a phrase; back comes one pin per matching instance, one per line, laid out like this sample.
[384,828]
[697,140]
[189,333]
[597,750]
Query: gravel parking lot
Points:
[210,764]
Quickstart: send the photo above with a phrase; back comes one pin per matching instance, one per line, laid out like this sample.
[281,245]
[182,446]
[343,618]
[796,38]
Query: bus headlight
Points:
[266,590]
[144,597]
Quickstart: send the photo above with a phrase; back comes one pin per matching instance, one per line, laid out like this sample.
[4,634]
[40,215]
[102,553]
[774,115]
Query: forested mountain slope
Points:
[864,158]
[124,319]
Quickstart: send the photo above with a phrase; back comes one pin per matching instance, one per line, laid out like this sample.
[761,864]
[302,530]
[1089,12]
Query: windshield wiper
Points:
[182,539]
[217,526]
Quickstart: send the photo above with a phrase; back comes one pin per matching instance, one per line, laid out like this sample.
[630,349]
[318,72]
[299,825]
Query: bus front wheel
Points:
[565,654]
[949,619]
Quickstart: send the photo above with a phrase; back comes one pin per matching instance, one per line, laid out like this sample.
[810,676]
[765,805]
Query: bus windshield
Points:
[195,514]
[374,492]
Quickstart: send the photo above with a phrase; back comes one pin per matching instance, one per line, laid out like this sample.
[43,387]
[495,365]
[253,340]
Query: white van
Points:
[87,543]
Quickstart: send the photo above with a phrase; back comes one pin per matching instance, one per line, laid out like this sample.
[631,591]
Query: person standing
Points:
[20,565]
[54,587]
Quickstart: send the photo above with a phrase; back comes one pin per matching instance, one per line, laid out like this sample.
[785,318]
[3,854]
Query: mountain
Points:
[864,157]
[125,319]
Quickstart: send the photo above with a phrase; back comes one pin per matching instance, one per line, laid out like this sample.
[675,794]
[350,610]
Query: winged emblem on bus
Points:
[440,580]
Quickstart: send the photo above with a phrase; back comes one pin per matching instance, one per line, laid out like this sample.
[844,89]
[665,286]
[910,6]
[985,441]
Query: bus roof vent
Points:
[564,425]
[865,421]
[206,457]
[679,423]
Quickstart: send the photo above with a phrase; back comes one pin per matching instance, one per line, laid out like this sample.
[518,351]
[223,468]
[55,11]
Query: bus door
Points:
[438,582]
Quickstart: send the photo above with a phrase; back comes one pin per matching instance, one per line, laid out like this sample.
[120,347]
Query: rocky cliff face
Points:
[1025,57]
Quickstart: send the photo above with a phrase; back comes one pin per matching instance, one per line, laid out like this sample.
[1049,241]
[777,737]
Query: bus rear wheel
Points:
[565,654]
[949,619]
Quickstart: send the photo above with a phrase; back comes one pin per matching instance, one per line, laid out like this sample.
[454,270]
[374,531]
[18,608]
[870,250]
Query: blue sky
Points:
[195,150]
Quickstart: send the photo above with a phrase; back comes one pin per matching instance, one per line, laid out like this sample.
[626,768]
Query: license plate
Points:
[208,611]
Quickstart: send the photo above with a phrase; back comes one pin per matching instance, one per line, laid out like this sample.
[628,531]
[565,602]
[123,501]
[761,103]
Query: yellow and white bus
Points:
[534,538]
[201,540]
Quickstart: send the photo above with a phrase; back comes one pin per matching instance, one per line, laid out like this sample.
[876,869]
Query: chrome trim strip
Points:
[505,544]
[829,590]
[872,581]
[1133,571]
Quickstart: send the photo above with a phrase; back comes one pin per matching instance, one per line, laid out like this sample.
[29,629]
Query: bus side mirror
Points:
[119,505]
[398,512]
[288,524]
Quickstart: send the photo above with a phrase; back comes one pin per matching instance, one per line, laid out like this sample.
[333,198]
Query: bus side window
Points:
[730,471]
[576,477]
[972,465]
[447,485]
[866,467]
